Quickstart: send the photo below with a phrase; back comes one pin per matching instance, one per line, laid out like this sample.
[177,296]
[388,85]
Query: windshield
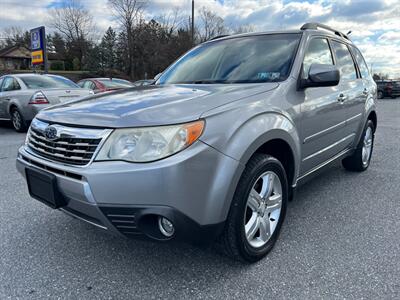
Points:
[262,58]
[115,83]
[47,82]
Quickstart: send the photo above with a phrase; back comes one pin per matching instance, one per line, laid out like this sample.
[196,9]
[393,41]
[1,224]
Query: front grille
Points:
[51,169]
[66,149]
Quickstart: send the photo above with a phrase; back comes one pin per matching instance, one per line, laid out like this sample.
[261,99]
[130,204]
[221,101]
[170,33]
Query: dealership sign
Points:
[38,46]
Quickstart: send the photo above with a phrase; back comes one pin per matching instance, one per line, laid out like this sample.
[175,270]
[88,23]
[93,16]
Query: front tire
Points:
[380,95]
[359,161]
[18,120]
[258,210]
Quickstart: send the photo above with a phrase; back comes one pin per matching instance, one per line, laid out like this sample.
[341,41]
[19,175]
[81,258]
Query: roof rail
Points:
[218,37]
[326,27]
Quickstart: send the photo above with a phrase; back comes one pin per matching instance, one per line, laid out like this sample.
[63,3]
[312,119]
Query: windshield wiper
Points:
[207,81]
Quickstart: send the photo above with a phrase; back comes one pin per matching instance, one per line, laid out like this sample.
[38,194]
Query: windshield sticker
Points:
[268,75]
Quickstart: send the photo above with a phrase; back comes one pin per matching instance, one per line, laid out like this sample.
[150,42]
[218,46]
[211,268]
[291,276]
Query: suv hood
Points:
[150,105]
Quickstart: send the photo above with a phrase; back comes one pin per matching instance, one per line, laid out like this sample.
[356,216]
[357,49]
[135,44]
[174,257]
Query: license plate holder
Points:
[43,187]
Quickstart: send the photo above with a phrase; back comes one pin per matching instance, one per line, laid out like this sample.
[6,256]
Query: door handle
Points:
[341,98]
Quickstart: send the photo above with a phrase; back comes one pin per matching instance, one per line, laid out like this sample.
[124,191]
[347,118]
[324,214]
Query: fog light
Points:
[166,226]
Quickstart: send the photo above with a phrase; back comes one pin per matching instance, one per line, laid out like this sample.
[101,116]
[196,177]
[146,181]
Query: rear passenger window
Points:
[361,63]
[344,61]
[318,52]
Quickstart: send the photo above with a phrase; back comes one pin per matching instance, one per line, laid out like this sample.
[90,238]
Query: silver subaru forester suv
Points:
[215,148]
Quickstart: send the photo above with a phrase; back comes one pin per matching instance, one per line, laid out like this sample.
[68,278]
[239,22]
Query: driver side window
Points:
[318,52]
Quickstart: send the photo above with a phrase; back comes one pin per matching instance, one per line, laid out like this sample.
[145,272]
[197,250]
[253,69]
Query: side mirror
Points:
[321,75]
[157,76]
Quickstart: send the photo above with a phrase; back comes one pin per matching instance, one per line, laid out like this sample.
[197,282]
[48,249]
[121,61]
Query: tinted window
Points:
[111,83]
[10,84]
[1,81]
[344,61]
[361,63]
[89,85]
[122,81]
[65,81]
[318,52]
[47,82]
[263,58]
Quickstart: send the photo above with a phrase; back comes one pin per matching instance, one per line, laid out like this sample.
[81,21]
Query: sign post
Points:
[38,47]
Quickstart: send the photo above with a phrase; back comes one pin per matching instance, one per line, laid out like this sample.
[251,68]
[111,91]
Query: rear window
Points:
[115,83]
[65,80]
[47,82]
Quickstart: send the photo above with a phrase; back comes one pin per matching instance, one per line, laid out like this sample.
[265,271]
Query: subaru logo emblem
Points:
[50,132]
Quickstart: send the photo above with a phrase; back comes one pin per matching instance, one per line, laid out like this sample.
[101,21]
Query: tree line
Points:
[137,48]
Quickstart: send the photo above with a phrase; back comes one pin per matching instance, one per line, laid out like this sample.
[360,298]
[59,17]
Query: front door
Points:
[3,102]
[8,90]
[323,115]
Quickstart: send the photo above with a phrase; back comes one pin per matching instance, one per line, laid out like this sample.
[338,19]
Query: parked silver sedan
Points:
[22,96]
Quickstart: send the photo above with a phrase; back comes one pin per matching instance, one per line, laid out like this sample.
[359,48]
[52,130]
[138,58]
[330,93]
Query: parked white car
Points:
[22,96]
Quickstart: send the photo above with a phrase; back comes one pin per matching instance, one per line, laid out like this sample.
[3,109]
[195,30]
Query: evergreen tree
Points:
[108,47]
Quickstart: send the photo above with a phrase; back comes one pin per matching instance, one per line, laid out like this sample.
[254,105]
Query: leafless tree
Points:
[242,29]
[210,25]
[129,14]
[75,23]
[171,21]
[14,35]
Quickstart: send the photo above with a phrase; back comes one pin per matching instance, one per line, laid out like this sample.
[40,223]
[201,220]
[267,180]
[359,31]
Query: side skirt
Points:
[310,174]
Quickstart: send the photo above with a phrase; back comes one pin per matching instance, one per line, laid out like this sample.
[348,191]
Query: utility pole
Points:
[193,22]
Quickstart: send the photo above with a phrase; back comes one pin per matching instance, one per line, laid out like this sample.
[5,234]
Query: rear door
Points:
[369,89]
[351,88]
[323,115]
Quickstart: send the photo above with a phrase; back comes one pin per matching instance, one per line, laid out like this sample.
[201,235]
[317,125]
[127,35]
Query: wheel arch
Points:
[272,134]
[373,117]
[282,151]
[11,106]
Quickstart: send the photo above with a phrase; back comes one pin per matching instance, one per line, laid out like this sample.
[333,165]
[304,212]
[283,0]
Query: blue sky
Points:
[375,24]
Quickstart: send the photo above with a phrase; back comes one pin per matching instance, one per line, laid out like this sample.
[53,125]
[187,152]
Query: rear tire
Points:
[18,120]
[359,161]
[257,211]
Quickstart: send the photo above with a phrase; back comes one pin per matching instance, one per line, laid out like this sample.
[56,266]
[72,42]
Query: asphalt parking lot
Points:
[341,240]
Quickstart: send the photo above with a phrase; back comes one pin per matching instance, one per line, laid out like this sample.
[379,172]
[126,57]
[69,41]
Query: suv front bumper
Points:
[193,189]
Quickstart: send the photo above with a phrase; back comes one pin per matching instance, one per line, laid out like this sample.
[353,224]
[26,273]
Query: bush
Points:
[57,66]
[76,64]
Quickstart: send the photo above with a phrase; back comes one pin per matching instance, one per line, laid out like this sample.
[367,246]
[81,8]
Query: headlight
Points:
[149,143]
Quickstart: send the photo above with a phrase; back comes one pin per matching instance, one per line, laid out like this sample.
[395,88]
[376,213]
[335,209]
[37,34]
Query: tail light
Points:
[38,98]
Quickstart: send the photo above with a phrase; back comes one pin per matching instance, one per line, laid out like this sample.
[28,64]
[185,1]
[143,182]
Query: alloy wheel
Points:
[263,209]
[367,146]
[16,119]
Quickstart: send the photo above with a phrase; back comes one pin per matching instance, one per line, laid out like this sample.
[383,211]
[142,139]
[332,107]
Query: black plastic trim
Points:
[143,220]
